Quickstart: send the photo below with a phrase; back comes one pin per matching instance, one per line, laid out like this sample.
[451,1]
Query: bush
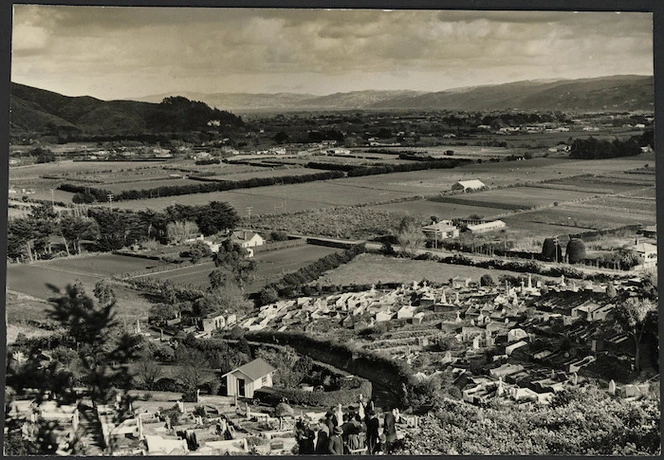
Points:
[168,384]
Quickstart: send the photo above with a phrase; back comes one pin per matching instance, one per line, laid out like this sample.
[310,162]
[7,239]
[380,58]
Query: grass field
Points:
[39,279]
[582,216]
[266,172]
[270,266]
[272,199]
[373,268]
[425,209]
[517,197]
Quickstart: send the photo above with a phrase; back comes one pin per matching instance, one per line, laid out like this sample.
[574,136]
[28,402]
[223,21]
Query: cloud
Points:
[158,49]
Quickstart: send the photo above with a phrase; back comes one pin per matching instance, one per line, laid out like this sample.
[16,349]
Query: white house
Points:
[247,239]
[466,185]
[246,379]
[441,230]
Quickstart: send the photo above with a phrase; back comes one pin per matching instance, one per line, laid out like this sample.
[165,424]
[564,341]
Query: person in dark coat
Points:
[305,438]
[335,445]
[390,430]
[331,420]
[373,425]
[323,438]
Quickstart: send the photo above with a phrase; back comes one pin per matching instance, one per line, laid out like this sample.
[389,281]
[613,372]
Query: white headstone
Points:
[612,387]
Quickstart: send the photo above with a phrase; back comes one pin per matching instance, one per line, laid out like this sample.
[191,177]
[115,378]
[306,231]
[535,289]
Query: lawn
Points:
[270,266]
[373,268]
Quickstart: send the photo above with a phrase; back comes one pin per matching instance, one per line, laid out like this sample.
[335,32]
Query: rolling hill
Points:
[614,93]
[38,110]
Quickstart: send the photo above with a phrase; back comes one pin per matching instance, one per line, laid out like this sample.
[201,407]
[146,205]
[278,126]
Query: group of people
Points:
[357,430]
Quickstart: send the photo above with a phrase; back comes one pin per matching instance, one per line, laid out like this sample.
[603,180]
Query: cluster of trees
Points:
[38,154]
[179,114]
[292,283]
[595,149]
[207,185]
[31,237]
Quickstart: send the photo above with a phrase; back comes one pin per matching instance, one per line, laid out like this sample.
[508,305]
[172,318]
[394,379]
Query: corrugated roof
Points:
[255,369]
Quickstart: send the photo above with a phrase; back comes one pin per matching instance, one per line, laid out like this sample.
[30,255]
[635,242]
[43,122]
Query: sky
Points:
[130,52]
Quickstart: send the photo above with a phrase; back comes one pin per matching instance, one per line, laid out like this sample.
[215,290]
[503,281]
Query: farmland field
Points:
[270,266]
[268,200]
[266,172]
[34,279]
[385,187]
[516,197]
[582,216]
[372,268]
[425,209]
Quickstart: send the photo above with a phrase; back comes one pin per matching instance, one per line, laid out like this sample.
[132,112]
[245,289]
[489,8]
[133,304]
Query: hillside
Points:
[36,110]
[618,93]
[615,93]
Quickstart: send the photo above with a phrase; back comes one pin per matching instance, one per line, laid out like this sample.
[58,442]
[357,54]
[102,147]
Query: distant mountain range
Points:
[38,110]
[614,93]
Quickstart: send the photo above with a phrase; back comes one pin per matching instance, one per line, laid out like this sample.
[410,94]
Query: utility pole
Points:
[249,209]
[110,197]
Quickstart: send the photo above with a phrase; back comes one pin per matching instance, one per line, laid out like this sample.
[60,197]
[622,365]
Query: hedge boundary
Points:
[274,395]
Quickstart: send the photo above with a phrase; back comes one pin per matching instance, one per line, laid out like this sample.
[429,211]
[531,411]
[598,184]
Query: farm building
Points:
[441,230]
[487,227]
[650,231]
[246,379]
[339,151]
[466,185]
[648,252]
[247,239]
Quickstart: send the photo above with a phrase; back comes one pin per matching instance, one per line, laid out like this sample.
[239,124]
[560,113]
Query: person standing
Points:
[335,445]
[305,437]
[390,429]
[323,437]
[372,432]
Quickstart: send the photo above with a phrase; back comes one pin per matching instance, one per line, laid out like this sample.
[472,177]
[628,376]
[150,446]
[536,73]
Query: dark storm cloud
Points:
[118,52]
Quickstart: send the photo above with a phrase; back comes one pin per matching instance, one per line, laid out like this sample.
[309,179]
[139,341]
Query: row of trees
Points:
[204,185]
[292,283]
[31,237]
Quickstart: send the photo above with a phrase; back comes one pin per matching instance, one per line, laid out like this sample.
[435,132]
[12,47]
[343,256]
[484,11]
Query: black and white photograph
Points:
[328,231]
